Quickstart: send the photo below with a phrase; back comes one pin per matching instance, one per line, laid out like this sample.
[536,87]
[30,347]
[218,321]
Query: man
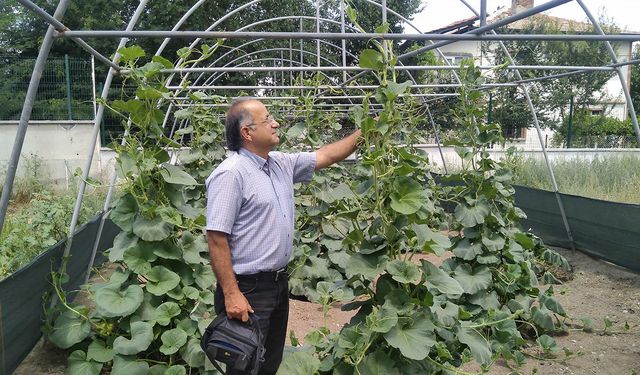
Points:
[250,218]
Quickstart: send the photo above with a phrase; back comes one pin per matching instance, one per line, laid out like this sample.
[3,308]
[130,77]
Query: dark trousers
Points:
[269,298]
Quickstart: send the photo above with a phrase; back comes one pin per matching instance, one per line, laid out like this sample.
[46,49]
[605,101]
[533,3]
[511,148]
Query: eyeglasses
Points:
[268,121]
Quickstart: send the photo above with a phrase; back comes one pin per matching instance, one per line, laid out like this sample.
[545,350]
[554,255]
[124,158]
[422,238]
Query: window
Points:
[597,112]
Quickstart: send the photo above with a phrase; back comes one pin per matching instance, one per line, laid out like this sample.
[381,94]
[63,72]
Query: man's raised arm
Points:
[337,151]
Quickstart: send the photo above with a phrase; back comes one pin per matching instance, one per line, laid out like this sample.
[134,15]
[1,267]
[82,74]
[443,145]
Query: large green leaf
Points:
[78,364]
[440,280]
[472,280]
[174,174]
[317,269]
[139,257]
[542,317]
[299,363]
[404,271]
[552,304]
[192,249]
[172,341]
[69,329]
[205,278]
[377,363]
[466,250]
[493,242]
[166,250]
[383,320]
[470,216]
[192,353]
[141,338]
[371,59]
[430,240]
[123,241]
[446,313]
[161,280]
[479,346]
[393,90]
[368,266]
[98,352]
[340,191]
[125,365]
[154,229]
[113,302]
[166,311]
[413,336]
[131,53]
[408,196]
[124,212]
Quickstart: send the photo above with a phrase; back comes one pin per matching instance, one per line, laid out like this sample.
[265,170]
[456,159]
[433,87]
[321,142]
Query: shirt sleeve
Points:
[304,166]
[224,199]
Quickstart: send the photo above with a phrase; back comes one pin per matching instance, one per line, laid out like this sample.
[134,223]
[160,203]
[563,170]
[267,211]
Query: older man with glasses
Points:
[250,219]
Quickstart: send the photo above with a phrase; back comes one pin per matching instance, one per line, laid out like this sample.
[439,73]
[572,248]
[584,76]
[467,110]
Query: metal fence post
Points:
[67,79]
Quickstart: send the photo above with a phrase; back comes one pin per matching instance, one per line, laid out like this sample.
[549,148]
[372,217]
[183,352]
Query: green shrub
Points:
[39,224]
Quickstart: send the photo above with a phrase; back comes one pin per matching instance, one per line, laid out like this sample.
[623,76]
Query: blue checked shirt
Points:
[251,199]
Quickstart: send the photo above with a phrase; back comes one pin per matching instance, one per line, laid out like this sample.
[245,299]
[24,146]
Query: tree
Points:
[551,97]
[635,79]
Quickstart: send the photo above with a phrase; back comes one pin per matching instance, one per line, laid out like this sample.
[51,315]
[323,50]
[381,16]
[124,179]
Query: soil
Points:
[598,290]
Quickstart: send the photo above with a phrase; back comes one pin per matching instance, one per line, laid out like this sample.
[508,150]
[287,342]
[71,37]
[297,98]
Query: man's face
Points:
[264,129]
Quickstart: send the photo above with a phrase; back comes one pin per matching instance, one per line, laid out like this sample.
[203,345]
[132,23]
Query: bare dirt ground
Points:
[598,291]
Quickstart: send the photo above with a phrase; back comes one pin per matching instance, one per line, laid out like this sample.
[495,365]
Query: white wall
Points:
[452,159]
[62,146]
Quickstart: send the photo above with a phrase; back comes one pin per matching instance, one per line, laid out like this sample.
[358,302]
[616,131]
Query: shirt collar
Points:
[256,159]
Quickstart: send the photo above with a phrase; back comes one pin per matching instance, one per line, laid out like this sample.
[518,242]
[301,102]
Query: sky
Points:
[438,13]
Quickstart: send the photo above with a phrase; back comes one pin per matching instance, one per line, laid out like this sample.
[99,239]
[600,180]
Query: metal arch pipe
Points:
[444,38]
[87,167]
[60,27]
[540,139]
[507,20]
[560,75]
[240,48]
[625,89]
[27,108]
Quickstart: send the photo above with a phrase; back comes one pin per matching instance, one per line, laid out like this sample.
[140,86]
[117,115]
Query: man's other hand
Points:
[237,306]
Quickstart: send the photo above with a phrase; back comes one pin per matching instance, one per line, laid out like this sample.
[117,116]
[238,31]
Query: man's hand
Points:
[237,306]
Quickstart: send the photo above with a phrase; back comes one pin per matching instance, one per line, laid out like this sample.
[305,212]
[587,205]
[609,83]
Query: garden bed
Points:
[598,291]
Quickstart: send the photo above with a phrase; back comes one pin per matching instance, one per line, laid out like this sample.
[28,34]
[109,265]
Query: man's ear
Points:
[245,134]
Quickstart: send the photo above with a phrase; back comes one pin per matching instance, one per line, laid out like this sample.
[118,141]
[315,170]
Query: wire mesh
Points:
[65,91]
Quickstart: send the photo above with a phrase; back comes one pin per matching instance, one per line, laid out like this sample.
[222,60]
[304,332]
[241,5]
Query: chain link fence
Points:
[65,91]
[600,141]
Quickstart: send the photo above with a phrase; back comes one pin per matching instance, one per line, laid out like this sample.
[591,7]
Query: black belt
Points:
[280,274]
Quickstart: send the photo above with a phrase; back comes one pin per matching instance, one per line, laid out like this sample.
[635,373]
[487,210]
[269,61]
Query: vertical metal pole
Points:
[301,44]
[26,112]
[94,139]
[67,78]
[99,117]
[290,62]
[93,85]
[569,128]
[344,42]
[490,110]
[384,21]
[483,12]
[318,31]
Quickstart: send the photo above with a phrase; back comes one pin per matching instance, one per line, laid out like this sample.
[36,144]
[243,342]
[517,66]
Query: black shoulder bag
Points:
[238,345]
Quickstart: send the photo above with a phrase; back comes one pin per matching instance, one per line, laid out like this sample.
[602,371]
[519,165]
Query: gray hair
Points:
[237,117]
